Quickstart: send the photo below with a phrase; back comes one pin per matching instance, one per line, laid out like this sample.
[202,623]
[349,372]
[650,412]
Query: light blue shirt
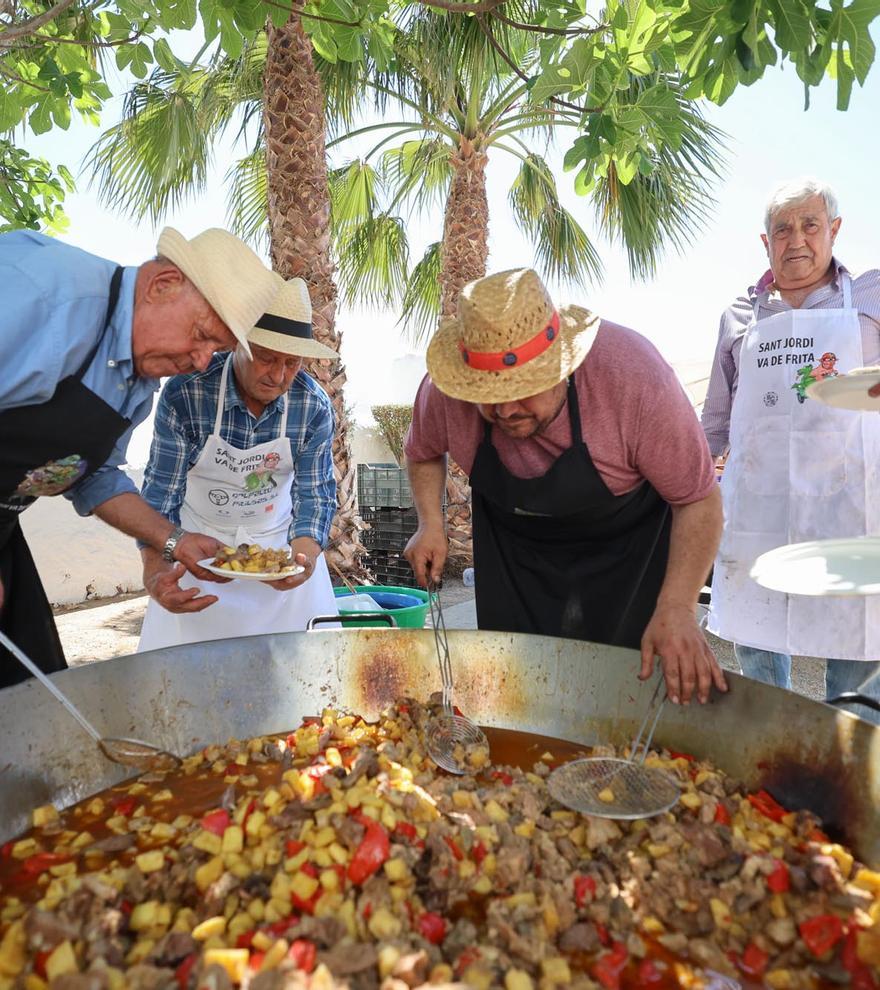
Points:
[53,303]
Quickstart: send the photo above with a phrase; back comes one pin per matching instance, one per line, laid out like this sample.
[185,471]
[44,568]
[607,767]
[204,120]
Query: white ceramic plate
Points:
[291,571]
[849,391]
[839,568]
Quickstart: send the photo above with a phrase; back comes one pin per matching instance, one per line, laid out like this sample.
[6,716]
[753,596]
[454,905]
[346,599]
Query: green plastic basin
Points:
[409,617]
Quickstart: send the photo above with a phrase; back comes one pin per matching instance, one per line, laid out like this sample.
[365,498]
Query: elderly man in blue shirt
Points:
[243,451]
[83,343]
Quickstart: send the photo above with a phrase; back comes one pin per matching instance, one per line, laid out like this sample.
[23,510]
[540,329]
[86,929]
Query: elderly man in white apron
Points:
[797,470]
[243,451]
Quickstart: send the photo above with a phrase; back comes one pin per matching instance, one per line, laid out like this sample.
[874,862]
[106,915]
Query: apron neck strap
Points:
[112,300]
[221,402]
[574,411]
[846,285]
[221,398]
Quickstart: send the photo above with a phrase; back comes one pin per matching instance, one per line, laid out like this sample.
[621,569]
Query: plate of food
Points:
[836,568]
[251,562]
[849,391]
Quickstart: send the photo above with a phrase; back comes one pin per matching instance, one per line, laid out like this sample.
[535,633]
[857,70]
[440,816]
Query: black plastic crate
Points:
[383,486]
[390,568]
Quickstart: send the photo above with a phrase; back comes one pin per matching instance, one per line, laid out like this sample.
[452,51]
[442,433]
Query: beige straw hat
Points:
[226,272]
[508,341]
[286,326]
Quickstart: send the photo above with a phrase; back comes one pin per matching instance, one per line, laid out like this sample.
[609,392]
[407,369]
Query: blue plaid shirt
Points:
[184,421]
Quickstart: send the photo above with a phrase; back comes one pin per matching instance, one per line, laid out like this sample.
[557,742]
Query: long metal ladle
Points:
[128,752]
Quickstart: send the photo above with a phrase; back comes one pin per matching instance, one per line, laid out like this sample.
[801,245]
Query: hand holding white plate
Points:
[849,391]
[227,572]
[834,568]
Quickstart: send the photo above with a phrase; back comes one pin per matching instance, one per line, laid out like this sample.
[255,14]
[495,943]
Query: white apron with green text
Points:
[240,496]
[797,470]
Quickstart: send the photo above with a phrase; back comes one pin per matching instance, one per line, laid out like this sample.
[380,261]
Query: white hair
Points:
[795,191]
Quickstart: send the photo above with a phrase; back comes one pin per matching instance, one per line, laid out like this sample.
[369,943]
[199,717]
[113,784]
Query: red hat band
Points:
[515,356]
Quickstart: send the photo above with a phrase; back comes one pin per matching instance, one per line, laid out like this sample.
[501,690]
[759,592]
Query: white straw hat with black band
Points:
[509,341]
[286,326]
[226,272]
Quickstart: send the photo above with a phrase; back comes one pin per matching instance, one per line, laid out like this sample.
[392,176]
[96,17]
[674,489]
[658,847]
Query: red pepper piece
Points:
[454,846]
[403,830]
[465,959]
[40,963]
[246,939]
[291,740]
[821,933]
[40,862]
[6,849]
[233,769]
[216,821]
[584,889]
[608,967]
[432,927]
[310,870]
[767,805]
[256,960]
[183,971]
[292,847]
[682,756]
[303,953]
[505,778]
[817,835]
[252,805]
[374,849]
[722,815]
[779,880]
[308,906]
[403,709]
[479,851]
[649,974]
[280,927]
[602,932]
[124,806]
[754,960]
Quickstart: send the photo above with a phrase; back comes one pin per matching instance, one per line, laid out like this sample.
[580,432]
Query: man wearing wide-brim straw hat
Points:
[242,451]
[596,512]
[83,344]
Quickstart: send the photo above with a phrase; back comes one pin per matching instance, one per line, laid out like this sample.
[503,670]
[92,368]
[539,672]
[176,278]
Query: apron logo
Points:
[809,374]
[261,477]
[770,399]
[217,496]
[53,478]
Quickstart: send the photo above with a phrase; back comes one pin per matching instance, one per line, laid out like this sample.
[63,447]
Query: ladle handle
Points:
[854,698]
[47,683]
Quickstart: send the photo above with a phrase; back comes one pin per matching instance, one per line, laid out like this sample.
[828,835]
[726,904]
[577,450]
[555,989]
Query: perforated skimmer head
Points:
[608,787]
[448,736]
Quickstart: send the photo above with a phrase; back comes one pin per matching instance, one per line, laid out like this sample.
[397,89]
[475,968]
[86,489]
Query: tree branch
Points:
[494,43]
[294,8]
[455,7]
[33,24]
[538,29]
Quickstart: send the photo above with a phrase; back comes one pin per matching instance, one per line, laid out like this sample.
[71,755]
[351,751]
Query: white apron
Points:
[798,470]
[240,496]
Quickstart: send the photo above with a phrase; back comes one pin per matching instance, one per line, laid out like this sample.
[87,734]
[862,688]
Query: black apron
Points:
[44,449]
[561,555]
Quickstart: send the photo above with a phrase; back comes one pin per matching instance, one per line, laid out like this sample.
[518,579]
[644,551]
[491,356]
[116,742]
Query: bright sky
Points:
[771,139]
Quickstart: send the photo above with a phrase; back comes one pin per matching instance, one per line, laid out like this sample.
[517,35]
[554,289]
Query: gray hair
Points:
[795,191]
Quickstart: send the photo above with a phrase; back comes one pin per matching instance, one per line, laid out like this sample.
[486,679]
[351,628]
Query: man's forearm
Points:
[130,514]
[428,482]
[693,543]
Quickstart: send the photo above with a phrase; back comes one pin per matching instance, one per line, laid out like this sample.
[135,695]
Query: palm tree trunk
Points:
[299,227]
[463,258]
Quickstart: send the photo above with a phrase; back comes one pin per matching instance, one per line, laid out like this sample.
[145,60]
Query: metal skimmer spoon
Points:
[609,787]
[448,731]
[128,752]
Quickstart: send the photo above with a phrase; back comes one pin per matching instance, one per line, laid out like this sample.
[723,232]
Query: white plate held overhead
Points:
[849,391]
[839,568]
[292,571]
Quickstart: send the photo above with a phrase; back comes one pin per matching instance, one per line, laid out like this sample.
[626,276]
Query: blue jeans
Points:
[840,676]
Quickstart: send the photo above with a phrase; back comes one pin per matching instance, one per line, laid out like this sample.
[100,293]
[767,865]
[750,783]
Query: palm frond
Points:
[421,300]
[669,203]
[247,202]
[419,170]
[372,259]
[563,249]
[353,193]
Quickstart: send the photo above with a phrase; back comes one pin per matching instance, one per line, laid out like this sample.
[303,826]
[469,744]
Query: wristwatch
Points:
[171,544]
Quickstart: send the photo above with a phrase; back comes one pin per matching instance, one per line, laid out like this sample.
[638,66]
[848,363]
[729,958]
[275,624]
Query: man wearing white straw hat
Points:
[243,451]
[83,344]
[596,513]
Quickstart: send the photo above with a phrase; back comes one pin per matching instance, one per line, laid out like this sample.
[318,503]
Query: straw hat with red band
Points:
[508,341]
